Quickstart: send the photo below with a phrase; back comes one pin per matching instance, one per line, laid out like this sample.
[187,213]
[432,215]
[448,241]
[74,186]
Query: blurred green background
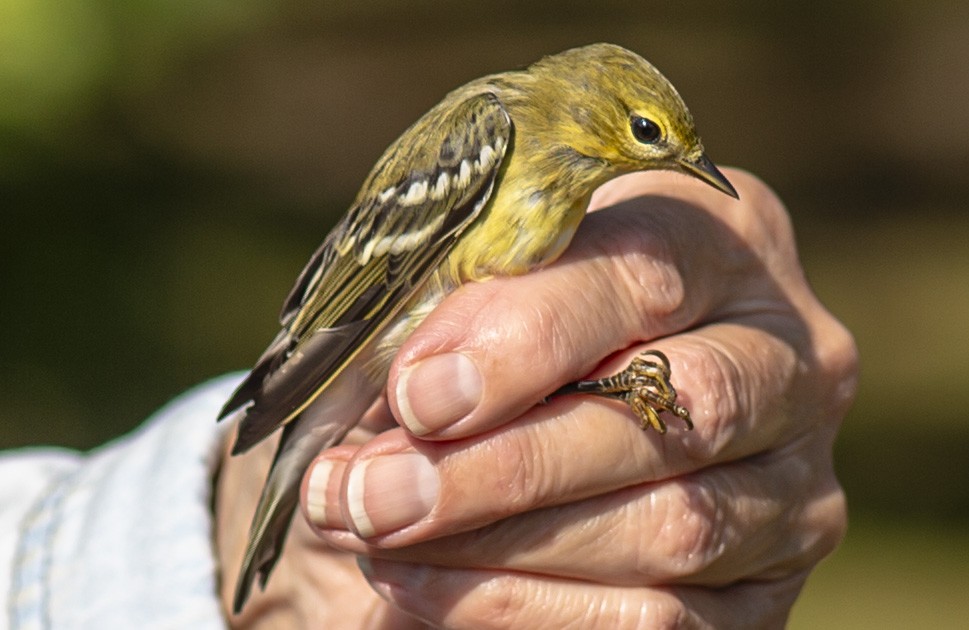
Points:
[166,168]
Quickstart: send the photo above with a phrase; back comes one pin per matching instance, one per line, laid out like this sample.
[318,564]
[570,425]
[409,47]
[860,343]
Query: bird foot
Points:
[644,385]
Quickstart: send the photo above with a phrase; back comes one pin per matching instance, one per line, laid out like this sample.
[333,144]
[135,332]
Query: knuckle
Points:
[639,609]
[652,283]
[838,357]
[499,602]
[642,264]
[687,536]
[717,396]
[667,614]
[813,523]
[765,222]
[510,602]
[828,520]
[556,328]
[520,472]
[548,329]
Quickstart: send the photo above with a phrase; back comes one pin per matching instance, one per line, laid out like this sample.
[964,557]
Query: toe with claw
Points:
[644,385]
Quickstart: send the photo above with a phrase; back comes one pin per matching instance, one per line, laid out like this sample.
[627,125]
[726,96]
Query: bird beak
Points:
[705,170]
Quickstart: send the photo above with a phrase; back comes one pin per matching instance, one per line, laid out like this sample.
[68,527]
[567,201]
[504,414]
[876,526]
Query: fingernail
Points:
[390,573]
[437,392]
[389,492]
[323,489]
[414,588]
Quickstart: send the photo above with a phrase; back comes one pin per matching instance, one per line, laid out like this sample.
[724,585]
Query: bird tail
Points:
[270,524]
[324,423]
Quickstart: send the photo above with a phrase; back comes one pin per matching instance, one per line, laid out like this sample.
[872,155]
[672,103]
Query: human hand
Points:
[512,514]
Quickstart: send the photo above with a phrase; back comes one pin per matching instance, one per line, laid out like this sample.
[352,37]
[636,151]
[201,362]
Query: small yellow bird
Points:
[492,181]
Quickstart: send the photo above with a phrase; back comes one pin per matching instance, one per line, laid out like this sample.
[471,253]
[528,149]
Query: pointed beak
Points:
[705,170]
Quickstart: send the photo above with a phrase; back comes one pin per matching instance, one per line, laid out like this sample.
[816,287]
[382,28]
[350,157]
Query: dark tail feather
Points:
[321,425]
[270,524]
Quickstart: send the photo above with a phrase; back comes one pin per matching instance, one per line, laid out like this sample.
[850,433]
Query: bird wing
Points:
[420,197]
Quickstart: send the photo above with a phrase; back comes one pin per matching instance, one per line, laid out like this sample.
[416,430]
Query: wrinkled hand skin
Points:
[567,514]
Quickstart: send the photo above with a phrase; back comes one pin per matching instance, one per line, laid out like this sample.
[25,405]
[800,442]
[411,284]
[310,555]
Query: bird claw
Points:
[644,385]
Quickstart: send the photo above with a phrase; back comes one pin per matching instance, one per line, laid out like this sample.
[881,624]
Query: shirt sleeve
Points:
[120,537]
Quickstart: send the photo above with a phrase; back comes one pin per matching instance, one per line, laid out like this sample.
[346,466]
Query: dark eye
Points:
[645,130]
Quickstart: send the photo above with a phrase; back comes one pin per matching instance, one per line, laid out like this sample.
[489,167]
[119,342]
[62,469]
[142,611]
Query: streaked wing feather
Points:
[371,264]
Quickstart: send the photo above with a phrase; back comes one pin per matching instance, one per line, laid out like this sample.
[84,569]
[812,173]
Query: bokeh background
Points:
[166,168]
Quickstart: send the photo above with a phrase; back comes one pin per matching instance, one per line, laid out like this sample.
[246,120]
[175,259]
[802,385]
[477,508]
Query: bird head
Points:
[621,111]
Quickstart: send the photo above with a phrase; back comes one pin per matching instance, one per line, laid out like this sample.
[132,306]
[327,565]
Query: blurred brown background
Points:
[166,168]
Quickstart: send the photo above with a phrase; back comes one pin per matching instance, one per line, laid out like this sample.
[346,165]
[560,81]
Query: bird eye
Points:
[645,130]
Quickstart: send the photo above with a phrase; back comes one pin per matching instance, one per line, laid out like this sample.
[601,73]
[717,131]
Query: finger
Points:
[573,448]
[378,418]
[645,268]
[721,525]
[455,598]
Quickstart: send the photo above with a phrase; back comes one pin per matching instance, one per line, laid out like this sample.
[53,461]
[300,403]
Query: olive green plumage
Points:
[494,180]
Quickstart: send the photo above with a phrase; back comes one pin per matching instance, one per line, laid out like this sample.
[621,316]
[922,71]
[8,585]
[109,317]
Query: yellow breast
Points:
[526,225]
